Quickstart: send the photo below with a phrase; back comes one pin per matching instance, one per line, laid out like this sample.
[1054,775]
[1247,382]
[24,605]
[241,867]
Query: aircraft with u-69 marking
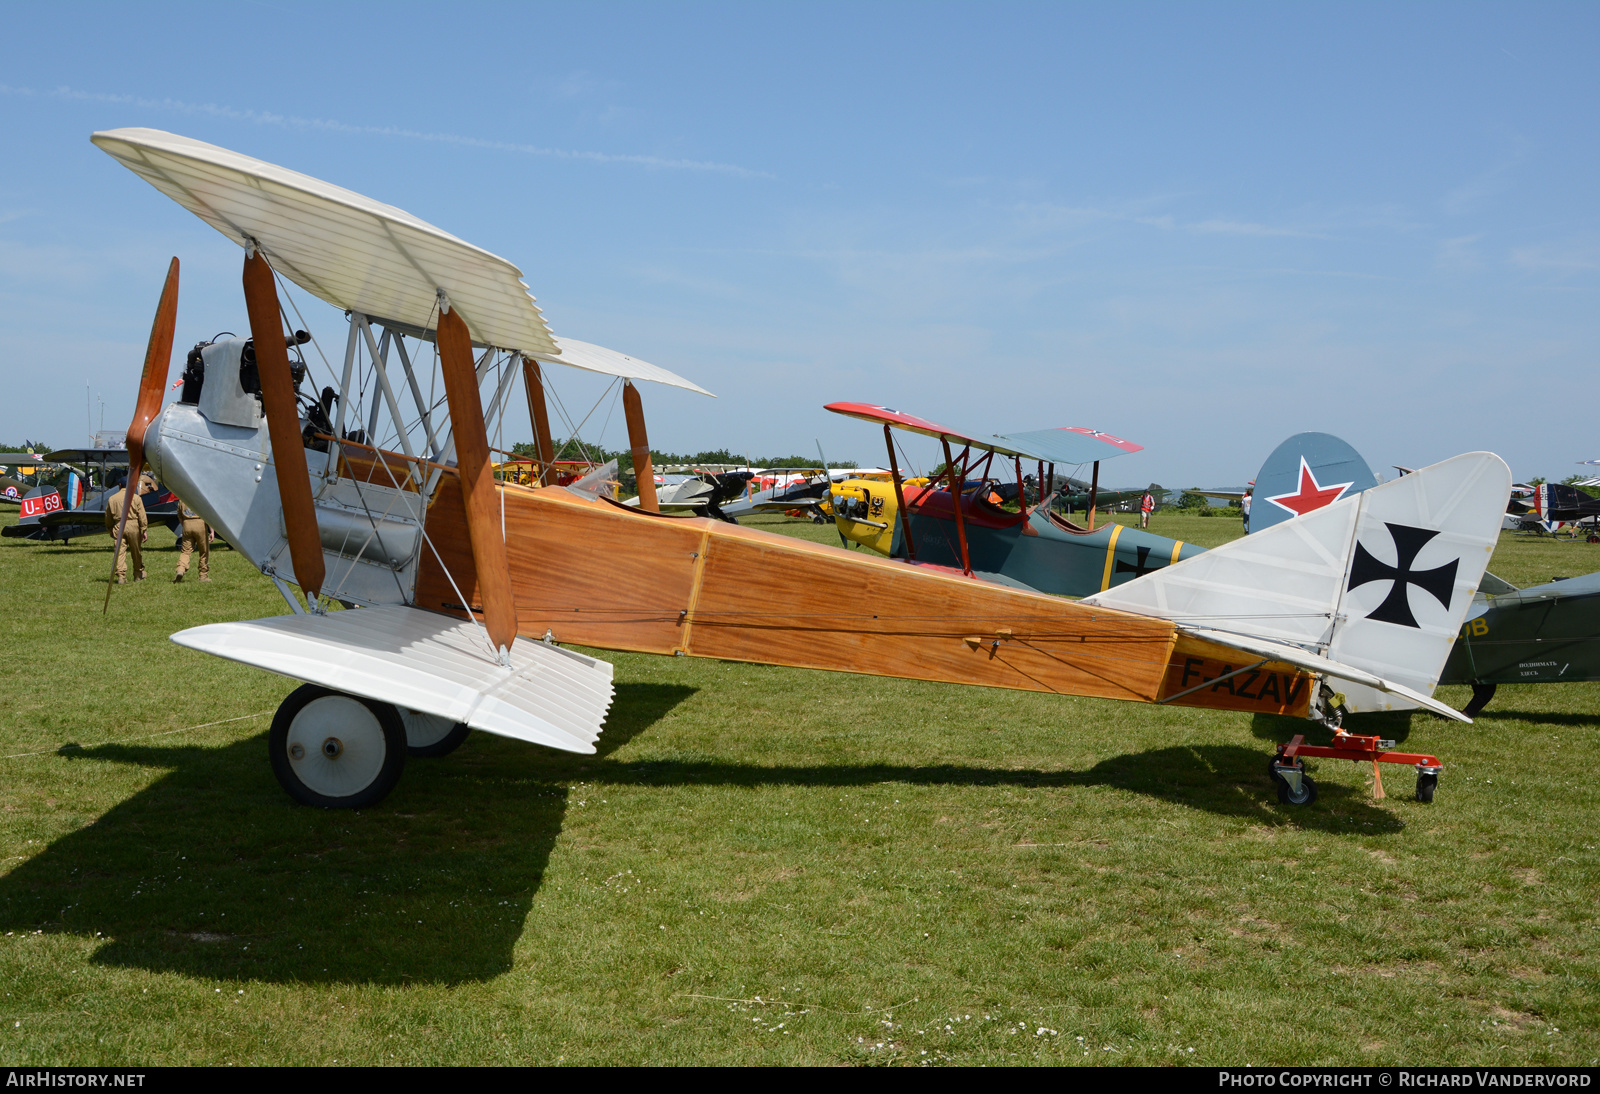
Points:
[375,496]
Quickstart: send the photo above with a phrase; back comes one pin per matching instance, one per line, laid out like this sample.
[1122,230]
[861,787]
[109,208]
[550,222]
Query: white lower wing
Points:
[427,663]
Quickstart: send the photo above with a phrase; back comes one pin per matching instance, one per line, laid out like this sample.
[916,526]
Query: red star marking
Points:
[1311,495]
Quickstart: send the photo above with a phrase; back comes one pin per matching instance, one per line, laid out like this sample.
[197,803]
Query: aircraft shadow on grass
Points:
[1542,717]
[1223,779]
[1391,725]
[212,872]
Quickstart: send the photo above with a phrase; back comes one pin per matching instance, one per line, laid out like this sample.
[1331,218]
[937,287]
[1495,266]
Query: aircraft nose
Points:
[152,444]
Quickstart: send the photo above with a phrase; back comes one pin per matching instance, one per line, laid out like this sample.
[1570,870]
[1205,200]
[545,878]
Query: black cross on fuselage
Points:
[1138,569]
[1396,607]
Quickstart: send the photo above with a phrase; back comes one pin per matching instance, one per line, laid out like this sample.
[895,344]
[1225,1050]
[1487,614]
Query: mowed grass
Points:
[768,866]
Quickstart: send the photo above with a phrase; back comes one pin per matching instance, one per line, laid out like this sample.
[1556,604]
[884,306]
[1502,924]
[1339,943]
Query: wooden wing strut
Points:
[478,492]
[283,424]
[539,412]
[639,442]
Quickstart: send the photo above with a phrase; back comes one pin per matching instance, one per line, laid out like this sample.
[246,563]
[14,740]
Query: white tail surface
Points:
[1379,581]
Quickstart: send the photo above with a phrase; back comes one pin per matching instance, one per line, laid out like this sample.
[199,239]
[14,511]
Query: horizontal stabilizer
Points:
[428,663]
[1294,655]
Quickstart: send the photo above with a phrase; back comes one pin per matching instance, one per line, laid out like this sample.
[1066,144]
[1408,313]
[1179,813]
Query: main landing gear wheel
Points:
[429,735]
[336,751]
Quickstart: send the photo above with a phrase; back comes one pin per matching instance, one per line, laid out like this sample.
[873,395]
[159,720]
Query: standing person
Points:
[134,533]
[1244,505]
[1147,505]
[196,536]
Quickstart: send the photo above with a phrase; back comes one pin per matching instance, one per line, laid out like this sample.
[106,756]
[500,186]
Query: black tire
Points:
[1272,771]
[1307,795]
[352,771]
[1427,783]
[428,737]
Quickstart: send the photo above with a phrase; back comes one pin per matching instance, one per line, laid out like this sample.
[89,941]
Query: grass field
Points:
[769,866]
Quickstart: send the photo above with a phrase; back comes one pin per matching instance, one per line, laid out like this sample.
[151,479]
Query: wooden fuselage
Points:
[595,573]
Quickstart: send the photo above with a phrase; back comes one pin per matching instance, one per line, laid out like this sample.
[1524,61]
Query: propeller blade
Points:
[283,425]
[152,386]
[477,478]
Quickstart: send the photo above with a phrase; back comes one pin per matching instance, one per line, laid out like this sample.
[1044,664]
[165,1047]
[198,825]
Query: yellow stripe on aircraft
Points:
[1111,555]
[1176,547]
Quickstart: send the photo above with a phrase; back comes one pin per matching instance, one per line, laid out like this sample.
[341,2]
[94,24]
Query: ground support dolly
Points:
[1295,787]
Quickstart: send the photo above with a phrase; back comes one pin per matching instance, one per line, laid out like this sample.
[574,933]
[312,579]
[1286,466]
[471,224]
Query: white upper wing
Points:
[345,248]
[356,253]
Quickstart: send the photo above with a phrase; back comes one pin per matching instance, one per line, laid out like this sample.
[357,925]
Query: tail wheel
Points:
[1304,796]
[429,735]
[1427,783]
[336,751]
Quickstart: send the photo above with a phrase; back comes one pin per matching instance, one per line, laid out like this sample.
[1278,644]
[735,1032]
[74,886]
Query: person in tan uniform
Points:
[196,537]
[134,534]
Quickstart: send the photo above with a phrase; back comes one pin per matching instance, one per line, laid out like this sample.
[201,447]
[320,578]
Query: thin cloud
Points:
[1241,228]
[289,121]
[1458,255]
[1572,257]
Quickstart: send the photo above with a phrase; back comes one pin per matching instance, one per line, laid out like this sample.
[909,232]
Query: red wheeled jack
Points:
[1296,788]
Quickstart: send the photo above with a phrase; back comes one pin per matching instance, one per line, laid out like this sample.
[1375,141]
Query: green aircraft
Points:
[1549,634]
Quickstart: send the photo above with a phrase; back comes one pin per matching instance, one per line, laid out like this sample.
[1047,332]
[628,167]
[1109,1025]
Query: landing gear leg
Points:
[1481,694]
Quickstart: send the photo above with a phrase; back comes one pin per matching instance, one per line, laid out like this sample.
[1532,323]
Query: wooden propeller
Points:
[477,478]
[283,424]
[152,385]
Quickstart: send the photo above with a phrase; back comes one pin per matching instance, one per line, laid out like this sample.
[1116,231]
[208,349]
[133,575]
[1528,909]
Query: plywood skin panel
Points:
[1274,688]
[596,574]
[590,572]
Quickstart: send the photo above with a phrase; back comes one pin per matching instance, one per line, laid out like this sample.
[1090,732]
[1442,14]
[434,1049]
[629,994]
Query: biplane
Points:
[1556,509]
[71,511]
[13,487]
[1035,545]
[463,592]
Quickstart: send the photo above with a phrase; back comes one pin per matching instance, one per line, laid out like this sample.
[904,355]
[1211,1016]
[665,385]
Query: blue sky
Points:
[1202,227]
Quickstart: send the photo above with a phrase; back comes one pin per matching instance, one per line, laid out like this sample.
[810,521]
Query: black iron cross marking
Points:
[1396,608]
[1138,569]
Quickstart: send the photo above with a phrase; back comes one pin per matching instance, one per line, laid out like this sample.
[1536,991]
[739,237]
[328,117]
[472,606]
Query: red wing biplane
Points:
[466,586]
[1035,546]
